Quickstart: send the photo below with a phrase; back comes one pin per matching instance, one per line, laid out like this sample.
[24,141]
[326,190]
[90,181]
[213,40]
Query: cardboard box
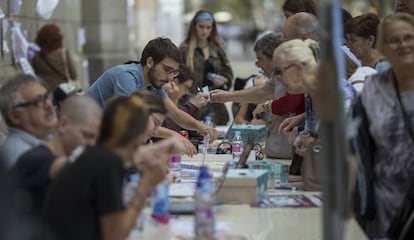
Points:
[256,131]
[244,186]
[276,171]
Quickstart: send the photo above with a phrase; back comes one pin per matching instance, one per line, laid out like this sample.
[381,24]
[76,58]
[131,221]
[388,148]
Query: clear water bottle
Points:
[204,202]
[206,139]
[130,189]
[175,166]
[237,146]
[211,76]
[161,203]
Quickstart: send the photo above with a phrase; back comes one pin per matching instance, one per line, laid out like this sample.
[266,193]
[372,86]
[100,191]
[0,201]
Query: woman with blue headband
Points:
[203,53]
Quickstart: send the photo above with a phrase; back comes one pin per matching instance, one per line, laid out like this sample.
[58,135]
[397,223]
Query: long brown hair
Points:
[214,40]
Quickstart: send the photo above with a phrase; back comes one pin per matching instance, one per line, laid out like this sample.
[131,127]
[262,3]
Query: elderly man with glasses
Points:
[159,64]
[27,108]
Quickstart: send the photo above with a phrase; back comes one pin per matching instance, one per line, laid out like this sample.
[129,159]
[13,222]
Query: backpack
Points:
[240,83]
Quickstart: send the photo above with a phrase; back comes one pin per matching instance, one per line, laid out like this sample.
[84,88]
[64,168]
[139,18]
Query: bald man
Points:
[78,124]
[302,26]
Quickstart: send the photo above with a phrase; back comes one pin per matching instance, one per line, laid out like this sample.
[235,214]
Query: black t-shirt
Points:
[85,190]
[31,175]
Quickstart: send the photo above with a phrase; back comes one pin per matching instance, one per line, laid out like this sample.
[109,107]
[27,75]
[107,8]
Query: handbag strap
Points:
[65,63]
[42,56]
[404,113]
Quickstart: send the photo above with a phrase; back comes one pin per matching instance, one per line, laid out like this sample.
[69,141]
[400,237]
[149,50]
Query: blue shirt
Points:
[17,143]
[121,80]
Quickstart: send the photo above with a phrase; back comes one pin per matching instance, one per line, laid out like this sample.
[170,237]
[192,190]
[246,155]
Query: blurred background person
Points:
[203,52]
[361,37]
[53,63]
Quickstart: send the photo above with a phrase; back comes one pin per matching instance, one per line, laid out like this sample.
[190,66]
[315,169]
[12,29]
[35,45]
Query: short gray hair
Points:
[10,92]
[268,43]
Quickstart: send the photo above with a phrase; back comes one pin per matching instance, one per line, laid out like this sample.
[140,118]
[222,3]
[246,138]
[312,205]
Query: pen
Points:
[286,188]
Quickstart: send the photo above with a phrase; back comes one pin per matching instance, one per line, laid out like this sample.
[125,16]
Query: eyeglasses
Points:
[279,72]
[397,40]
[37,102]
[170,71]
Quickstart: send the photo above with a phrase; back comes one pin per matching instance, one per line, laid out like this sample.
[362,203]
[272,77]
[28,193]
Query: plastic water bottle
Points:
[237,146]
[206,139]
[175,166]
[160,203]
[130,189]
[204,201]
[231,164]
[211,76]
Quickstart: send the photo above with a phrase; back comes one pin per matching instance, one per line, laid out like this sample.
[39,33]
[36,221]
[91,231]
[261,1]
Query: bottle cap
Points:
[175,158]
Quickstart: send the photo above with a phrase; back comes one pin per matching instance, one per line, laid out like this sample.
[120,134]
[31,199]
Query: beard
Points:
[153,80]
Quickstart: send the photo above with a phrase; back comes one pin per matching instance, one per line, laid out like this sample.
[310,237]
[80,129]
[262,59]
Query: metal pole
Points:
[329,109]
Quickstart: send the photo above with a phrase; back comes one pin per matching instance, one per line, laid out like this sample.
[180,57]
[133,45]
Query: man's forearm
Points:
[164,132]
[251,95]
[184,119]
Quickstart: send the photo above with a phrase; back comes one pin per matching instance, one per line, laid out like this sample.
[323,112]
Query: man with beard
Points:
[159,64]
[27,109]
[406,6]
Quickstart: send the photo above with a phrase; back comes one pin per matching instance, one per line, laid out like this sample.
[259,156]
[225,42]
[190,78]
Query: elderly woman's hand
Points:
[305,142]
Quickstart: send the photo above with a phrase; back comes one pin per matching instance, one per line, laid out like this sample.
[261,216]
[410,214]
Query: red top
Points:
[289,103]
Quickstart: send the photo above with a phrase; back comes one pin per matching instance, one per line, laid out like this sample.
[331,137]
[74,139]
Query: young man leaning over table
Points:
[159,64]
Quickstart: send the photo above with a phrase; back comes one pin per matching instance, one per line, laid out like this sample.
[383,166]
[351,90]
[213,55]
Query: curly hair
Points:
[49,38]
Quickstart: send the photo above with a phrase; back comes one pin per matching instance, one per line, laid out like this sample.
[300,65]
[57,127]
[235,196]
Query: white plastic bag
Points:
[45,8]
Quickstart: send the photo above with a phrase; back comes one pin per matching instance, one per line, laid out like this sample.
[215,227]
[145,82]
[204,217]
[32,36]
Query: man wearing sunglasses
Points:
[27,108]
[159,64]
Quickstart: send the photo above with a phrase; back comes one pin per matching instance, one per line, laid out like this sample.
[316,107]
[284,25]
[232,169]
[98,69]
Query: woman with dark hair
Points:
[53,63]
[291,7]
[179,88]
[203,53]
[86,199]
[361,37]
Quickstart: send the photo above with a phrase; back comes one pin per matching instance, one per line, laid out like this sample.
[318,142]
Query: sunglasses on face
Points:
[37,102]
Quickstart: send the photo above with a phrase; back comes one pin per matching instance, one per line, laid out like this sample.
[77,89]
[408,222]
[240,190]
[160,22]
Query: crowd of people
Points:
[66,162]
